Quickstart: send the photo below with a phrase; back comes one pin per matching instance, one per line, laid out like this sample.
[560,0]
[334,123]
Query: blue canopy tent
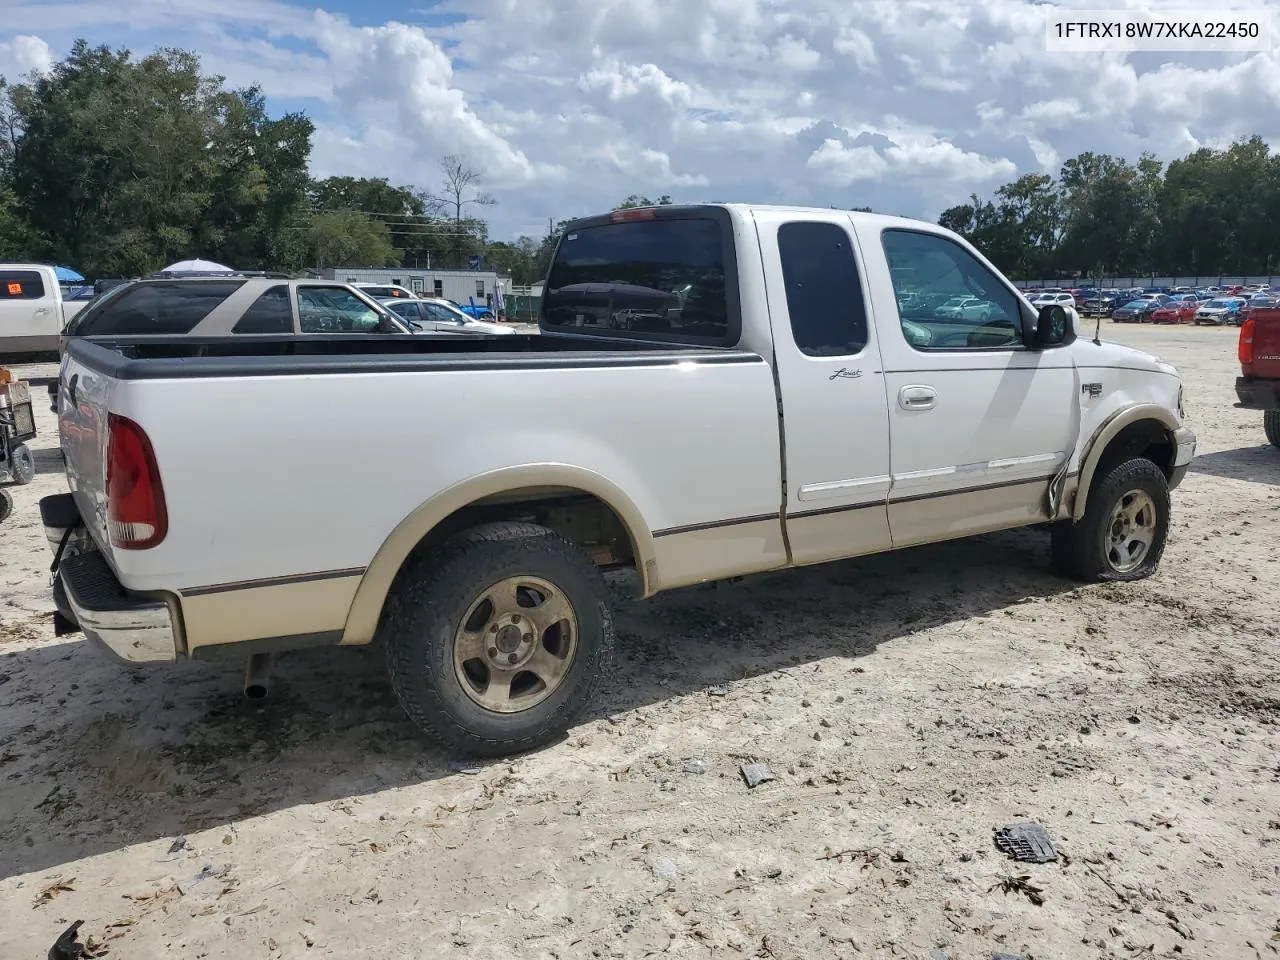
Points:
[67,275]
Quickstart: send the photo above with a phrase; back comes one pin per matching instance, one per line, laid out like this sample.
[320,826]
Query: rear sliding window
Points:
[161,307]
[20,285]
[650,279]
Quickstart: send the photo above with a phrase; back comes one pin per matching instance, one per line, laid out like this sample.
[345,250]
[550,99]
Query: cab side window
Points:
[947,299]
[337,310]
[21,285]
[824,292]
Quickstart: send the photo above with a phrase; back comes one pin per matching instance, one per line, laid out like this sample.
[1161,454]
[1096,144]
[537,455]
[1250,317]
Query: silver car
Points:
[440,316]
[232,305]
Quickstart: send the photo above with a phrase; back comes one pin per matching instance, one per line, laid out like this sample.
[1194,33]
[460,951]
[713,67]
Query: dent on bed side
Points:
[508,486]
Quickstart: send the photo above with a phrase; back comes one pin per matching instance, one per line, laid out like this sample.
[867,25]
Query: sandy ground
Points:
[908,704]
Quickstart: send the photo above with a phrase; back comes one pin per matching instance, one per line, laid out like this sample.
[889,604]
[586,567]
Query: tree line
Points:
[117,166]
[1208,213]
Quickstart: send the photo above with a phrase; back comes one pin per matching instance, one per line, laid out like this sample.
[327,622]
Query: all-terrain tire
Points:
[22,465]
[6,505]
[427,606]
[1271,424]
[1079,550]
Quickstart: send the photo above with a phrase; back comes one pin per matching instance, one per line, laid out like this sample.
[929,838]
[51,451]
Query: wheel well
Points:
[580,517]
[1149,439]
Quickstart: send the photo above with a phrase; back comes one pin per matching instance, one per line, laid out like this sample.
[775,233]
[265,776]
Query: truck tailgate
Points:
[83,395]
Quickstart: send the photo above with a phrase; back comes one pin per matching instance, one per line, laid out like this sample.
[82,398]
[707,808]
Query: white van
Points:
[32,309]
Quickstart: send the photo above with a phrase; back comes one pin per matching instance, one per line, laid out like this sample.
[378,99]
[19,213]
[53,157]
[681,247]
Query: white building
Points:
[457,285]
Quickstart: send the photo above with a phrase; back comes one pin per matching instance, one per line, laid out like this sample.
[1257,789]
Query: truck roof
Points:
[884,220]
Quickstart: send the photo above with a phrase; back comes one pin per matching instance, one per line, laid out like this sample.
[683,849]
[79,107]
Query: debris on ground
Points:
[1020,884]
[1026,841]
[51,890]
[695,766]
[756,773]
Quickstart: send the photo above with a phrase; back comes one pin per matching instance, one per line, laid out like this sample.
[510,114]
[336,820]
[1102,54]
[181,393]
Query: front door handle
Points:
[917,397]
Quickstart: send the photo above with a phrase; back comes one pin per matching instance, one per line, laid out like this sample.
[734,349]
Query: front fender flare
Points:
[1107,431]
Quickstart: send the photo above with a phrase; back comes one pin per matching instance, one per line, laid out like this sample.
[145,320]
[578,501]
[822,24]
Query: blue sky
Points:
[907,106]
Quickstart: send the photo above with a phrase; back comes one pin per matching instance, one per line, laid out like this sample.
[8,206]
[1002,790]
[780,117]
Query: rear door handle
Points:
[917,397]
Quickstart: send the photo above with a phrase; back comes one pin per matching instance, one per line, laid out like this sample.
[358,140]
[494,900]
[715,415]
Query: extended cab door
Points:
[30,310]
[827,359]
[979,423]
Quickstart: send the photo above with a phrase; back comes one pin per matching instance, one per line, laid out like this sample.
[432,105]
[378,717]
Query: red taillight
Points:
[136,515]
[633,213]
[1246,346]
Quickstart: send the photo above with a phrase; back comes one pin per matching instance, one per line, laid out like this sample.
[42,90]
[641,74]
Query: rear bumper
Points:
[1256,394]
[127,626]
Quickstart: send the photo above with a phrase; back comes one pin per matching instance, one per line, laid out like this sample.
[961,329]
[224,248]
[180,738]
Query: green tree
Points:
[636,200]
[350,238]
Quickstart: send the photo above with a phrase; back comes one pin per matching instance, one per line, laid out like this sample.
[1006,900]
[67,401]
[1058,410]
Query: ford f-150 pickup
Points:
[715,391]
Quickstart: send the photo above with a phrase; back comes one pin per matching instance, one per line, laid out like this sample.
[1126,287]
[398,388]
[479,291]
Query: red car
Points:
[1176,311]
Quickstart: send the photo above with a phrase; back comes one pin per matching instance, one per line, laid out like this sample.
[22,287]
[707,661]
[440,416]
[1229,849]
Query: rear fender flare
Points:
[366,607]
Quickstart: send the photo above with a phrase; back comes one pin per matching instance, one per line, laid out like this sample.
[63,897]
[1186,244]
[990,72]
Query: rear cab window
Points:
[154,308]
[663,274]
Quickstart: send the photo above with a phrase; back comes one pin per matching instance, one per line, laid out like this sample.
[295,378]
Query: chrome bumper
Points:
[1185,442]
[127,626]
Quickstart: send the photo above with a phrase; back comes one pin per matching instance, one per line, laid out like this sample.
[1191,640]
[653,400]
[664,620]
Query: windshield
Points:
[1216,303]
[1137,304]
[661,276]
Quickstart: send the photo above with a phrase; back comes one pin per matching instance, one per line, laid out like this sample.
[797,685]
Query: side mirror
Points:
[1053,329]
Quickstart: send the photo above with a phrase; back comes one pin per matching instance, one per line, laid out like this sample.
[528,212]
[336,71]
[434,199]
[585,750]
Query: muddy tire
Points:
[22,465]
[1271,424]
[1125,525]
[497,640]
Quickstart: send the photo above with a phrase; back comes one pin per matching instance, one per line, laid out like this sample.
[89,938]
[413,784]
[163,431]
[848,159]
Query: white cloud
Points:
[25,54]
[398,70]
[906,105]
[855,44]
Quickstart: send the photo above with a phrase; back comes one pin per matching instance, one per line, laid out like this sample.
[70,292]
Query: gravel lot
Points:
[908,704]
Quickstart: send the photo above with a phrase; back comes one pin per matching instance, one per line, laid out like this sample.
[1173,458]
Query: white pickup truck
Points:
[716,391]
[32,309]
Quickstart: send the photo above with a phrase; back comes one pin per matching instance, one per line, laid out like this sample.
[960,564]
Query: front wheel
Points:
[1271,424]
[6,505]
[1124,528]
[496,641]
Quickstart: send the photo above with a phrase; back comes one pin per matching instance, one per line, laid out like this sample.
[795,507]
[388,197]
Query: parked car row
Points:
[393,291]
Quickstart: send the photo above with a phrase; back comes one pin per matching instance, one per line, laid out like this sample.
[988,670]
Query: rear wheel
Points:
[496,641]
[1124,528]
[6,505]
[1271,424]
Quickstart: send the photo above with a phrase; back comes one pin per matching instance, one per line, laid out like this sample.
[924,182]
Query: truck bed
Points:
[288,462]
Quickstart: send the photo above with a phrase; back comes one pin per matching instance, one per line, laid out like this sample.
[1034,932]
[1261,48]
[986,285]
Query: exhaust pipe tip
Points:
[257,673]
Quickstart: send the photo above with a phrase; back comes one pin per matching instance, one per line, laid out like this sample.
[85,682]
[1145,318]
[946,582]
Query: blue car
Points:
[479,310]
